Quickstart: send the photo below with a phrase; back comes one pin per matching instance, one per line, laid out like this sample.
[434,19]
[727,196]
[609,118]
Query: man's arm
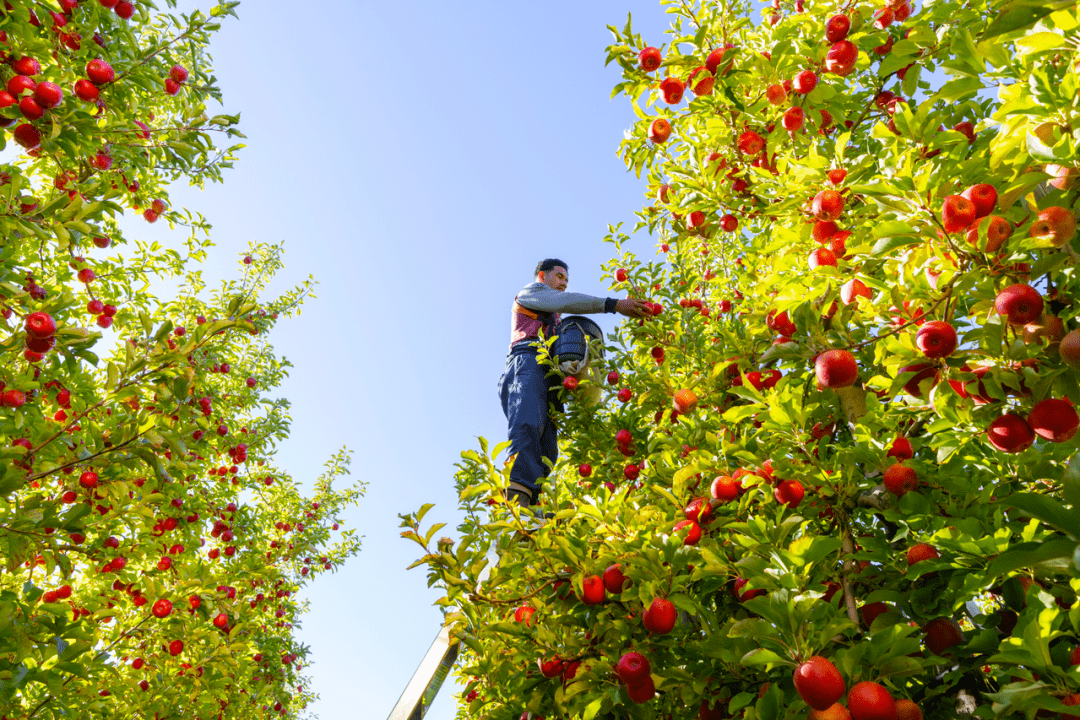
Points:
[541,298]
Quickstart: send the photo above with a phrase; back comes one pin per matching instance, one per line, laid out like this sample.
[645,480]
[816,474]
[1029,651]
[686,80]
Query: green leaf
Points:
[1048,510]
[1028,555]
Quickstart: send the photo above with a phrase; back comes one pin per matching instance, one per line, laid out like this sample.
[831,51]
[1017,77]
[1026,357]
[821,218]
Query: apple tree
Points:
[152,551]
[836,473]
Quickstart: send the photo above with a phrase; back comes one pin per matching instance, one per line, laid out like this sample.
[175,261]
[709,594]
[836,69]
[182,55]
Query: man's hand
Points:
[633,308]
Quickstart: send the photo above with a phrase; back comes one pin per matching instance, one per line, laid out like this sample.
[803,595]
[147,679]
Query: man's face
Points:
[555,278]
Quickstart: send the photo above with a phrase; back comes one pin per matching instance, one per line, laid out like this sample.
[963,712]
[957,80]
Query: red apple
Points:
[642,692]
[901,449]
[835,369]
[936,339]
[837,28]
[776,94]
[672,90]
[659,618]
[983,196]
[725,488]
[790,493]
[693,531]
[614,579]
[852,289]
[828,205]
[633,668]
[792,119]
[941,634]
[48,95]
[592,590]
[841,58]
[822,256]
[957,213]
[100,72]
[1070,349]
[1010,434]
[26,66]
[920,552]
[996,228]
[804,82]
[1055,226]
[27,136]
[1054,420]
[819,683]
[750,143]
[659,131]
[86,90]
[1020,304]
[899,479]
[649,59]
[869,701]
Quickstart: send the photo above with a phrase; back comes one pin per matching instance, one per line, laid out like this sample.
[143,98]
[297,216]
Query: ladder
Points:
[428,678]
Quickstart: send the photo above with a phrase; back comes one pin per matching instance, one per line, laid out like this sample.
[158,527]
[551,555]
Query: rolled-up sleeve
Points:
[541,298]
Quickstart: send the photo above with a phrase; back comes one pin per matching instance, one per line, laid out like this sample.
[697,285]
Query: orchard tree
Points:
[836,474]
[152,552]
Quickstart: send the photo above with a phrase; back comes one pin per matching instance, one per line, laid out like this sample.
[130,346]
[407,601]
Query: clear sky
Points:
[418,159]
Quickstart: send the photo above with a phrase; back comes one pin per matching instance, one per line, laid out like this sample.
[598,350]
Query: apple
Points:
[828,204]
[592,590]
[737,590]
[900,14]
[20,85]
[837,28]
[178,73]
[983,196]
[27,136]
[729,223]
[1070,349]
[836,175]
[870,701]
[672,90]
[941,634]
[899,479]
[693,531]
[936,339]
[48,94]
[1054,225]
[750,143]
[613,377]
[819,683]
[776,94]
[1020,304]
[30,109]
[660,616]
[996,228]
[836,711]
[835,369]
[649,59]
[790,493]
[522,614]
[624,395]
[552,667]
[920,552]
[792,119]
[685,401]
[162,608]
[804,82]
[623,437]
[901,449]
[705,85]
[957,213]
[841,58]
[725,488]
[642,692]
[584,470]
[967,129]
[26,66]
[716,58]
[1010,434]
[822,256]
[852,289]
[659,131]
[633,668]
[1054,420]
[86,90]
[883,18]
[1063,178]
[100,72]
[40,325]
[614,579]
[823,230]
[1048,327]
[176,647]
[570,383]
[631,472]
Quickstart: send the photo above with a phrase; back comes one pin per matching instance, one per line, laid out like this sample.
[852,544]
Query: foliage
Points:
[152,552]
[956,95]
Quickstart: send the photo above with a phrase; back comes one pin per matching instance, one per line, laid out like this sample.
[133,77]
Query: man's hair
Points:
[548,265]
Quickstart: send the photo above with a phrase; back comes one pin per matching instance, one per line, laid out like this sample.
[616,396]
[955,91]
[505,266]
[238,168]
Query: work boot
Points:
[521,497]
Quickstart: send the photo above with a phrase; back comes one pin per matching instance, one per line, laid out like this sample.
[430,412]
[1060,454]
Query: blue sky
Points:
[417,159]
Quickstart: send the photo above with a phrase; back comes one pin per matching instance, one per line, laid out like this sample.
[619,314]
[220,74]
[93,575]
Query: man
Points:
[523,387]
